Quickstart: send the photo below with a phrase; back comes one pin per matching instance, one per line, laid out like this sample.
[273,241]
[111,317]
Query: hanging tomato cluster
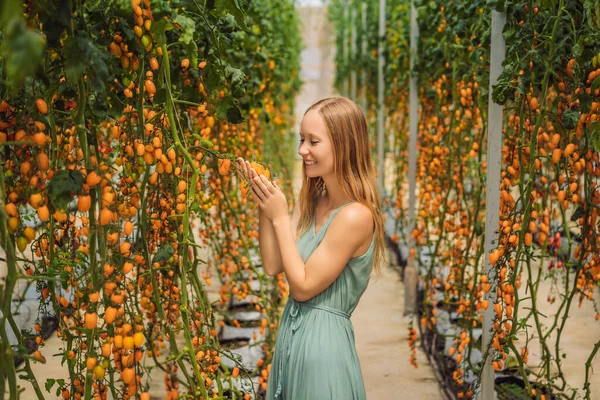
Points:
[118,126]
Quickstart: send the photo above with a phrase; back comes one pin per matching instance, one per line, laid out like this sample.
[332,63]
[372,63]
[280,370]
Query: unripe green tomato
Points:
[22,243]
[146,42]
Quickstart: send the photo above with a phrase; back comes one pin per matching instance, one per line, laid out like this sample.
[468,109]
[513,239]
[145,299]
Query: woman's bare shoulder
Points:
[357,214]
[351,230]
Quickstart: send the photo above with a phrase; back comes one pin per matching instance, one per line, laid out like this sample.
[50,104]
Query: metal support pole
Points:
[492,198]
[410,272]
[346,58]
[380,98]
[363,52]
[353,52]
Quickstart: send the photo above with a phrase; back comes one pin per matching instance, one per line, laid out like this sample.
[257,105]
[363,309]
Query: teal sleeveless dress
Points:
[315,355]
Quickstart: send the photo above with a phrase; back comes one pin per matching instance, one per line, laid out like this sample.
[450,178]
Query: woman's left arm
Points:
[343,237]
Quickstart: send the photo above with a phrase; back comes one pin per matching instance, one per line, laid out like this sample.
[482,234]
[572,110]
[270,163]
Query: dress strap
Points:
[337,210]
[330,218]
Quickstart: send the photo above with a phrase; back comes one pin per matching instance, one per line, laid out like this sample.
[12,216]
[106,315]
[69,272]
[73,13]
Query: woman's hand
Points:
[267,195]
[247,175]
[271,199]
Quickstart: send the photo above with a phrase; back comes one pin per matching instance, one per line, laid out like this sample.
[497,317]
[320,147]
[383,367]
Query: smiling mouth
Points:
[309,163]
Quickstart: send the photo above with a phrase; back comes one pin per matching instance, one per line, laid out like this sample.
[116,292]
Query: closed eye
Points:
[312,142]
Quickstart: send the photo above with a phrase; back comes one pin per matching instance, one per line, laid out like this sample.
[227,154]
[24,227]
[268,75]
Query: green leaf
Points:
[228,108]
[213,78]
[223,105]
[63,186]
[10,9]
[160,9]
[54,18]
[164,253]
[64,279]
[237,78]
[160,96]
[234,114]
[191,49]
[570,118]
[595,84]
[22,50]
[187,26]
[579,212]
[125,7]
[585,102]
[75,62]
[189,93]
[49,383]
[82,55]
[234,9]
[595,136]
[159,28]
[207,143]
[227,24]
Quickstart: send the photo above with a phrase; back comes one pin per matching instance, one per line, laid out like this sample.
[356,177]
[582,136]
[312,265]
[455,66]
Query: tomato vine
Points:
[119,121]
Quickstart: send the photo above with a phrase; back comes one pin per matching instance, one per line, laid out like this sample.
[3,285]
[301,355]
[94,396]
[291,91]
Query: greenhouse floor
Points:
[382,344]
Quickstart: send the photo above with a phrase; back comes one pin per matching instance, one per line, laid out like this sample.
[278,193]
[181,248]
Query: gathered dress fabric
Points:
[315,354]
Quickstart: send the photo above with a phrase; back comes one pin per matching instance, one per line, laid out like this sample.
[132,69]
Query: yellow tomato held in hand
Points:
[224,166]
[260,170]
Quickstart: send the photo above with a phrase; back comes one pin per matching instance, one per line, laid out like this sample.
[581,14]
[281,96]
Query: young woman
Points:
[327,250]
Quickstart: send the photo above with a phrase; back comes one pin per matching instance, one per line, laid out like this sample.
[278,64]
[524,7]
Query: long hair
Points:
[349,135]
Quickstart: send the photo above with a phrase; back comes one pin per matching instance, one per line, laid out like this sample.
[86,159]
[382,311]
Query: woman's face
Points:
[315,147]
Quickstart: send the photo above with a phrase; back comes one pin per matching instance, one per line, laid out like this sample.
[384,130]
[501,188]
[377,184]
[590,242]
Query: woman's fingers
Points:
[256,196]
[240,170]
[243,167]
[260,188]
[267,184]
[256,185]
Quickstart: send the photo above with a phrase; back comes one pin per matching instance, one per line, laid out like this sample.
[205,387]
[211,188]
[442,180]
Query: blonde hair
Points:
[349,135]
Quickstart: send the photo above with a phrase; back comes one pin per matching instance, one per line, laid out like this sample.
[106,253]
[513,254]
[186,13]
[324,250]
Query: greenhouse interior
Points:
[160,197]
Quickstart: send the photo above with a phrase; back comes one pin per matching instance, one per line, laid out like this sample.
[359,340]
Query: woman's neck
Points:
[334,196]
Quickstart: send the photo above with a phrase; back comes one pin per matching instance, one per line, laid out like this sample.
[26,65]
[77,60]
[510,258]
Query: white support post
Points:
[492,198]
[363,52]
[410,272]
[353,52]
[345,57]
[380,99]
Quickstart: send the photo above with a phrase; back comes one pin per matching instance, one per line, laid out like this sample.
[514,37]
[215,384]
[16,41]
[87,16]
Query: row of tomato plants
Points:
[120,123]
[548,226]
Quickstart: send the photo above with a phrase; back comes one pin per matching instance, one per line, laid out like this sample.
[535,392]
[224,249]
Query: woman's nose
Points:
[302,150]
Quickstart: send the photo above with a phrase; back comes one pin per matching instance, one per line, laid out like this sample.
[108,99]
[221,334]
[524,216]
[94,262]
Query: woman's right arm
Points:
[269,246]
[267,241]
